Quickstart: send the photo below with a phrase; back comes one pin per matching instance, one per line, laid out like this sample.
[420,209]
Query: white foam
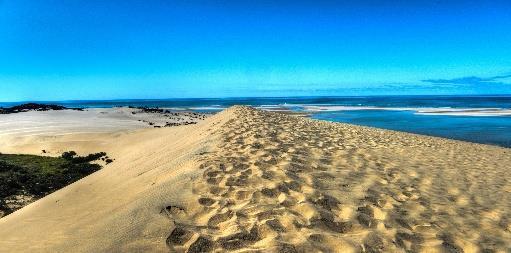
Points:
[479,112]
[330,108]
[207,108]
[447,111]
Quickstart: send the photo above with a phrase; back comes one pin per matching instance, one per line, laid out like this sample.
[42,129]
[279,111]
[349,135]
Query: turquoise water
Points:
[378,101]
[402,113]
[487,130]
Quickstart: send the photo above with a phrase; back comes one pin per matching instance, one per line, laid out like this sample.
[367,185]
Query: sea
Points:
[479,119]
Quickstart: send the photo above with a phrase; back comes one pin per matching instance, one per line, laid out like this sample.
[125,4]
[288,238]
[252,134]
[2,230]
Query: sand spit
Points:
[246,180]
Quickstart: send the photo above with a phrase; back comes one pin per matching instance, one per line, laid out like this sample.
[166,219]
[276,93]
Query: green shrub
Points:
[39,176]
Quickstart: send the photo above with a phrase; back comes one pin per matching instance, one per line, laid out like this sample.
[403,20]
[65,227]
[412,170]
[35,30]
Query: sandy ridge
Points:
[246,180]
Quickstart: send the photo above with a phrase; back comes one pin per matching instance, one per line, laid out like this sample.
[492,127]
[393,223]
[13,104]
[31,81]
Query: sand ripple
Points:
[282,184]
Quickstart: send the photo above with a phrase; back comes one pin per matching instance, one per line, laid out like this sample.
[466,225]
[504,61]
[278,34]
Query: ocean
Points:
[480,119]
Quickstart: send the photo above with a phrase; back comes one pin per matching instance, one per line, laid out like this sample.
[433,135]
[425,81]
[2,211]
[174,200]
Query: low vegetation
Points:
[34,107]
[25,178]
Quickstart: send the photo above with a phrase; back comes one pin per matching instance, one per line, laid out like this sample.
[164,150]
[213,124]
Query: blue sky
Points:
[58,50]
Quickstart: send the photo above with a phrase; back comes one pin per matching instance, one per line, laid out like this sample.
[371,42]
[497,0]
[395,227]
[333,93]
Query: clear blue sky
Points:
[70,49]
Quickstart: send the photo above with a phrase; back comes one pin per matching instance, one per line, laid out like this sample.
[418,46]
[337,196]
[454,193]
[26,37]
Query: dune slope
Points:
[245,180]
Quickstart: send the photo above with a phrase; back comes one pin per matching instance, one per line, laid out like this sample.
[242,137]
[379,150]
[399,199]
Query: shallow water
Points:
[487,130]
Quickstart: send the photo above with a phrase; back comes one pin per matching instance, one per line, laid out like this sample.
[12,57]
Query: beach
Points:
[37,126]
[246,180]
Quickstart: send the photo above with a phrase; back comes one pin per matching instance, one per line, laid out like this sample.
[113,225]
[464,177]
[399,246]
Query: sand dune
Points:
[246,180]
[33,131]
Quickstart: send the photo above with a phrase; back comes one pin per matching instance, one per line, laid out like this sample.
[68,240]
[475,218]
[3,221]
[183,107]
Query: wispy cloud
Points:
[472,80]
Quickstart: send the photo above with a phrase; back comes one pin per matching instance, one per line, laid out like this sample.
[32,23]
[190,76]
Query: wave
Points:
[448,111]
[480,112]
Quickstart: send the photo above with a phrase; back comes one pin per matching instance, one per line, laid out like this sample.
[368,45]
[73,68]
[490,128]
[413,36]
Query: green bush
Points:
[39,176]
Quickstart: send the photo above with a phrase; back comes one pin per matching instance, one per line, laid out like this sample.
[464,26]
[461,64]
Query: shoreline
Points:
[484,123]
[44,124]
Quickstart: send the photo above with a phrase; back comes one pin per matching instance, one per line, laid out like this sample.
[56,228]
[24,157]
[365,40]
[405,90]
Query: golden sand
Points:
[246,180]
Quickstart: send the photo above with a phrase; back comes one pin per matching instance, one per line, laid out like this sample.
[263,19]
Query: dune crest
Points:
[246,180]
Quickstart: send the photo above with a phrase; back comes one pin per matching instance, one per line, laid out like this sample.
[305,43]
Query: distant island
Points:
[34,107]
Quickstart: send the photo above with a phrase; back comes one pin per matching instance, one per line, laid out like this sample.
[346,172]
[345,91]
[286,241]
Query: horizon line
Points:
[254,97]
